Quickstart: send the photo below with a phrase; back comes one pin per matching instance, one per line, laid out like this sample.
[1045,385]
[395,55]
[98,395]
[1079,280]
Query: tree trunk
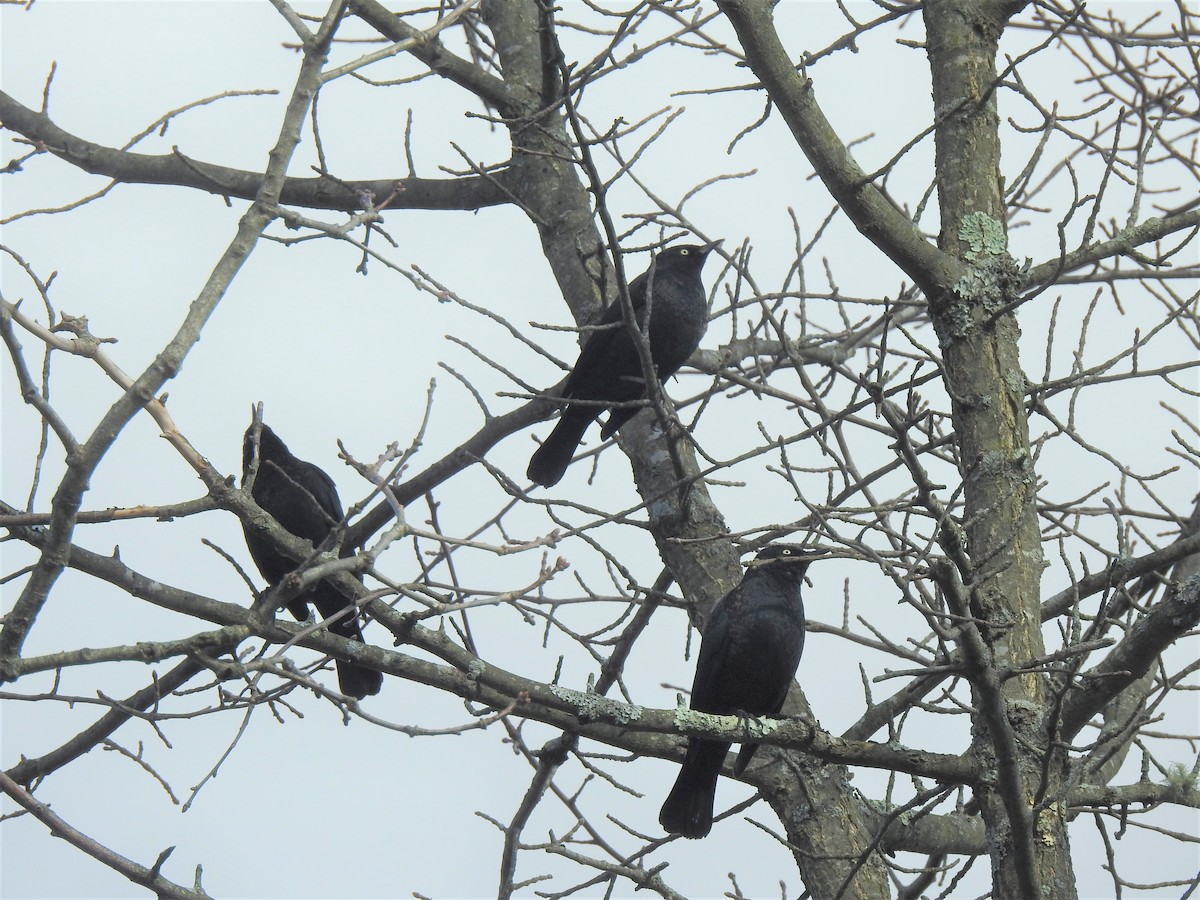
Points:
[1002,563]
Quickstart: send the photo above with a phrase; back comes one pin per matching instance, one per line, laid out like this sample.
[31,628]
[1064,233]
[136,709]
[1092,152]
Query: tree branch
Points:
[1129,660]
[433,53]
[138,874]
[469,193]
[795,97]
[1154,229]
[27,770]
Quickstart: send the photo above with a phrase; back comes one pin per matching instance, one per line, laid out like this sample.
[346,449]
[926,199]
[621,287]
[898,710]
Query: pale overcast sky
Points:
[312,807]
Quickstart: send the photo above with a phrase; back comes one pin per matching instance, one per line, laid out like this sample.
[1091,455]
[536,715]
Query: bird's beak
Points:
[815,553]
[710,246]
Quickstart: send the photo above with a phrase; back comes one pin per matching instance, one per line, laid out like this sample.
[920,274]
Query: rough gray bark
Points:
[987,385]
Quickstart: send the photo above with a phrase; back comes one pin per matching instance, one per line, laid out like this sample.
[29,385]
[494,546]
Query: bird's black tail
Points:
[688,809]
[354,680]
[357,682]
[549,463]
[745,754]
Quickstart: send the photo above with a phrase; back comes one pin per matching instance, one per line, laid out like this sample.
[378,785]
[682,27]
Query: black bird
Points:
[303,499]
[608,368]
[748,658]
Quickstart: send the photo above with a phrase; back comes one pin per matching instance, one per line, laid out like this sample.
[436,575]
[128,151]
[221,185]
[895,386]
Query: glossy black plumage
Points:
[748,657]
[608,368]
[302,498]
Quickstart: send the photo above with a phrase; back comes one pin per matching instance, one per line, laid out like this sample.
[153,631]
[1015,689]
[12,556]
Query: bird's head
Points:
[687,255]
[788,560]
[269,445]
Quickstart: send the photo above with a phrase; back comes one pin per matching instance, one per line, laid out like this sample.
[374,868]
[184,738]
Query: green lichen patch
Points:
[751,728]
[984,235]
[597,708]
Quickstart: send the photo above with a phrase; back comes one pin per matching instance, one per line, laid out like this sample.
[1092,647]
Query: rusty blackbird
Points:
[748,658]
[608,369]
[302,498]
